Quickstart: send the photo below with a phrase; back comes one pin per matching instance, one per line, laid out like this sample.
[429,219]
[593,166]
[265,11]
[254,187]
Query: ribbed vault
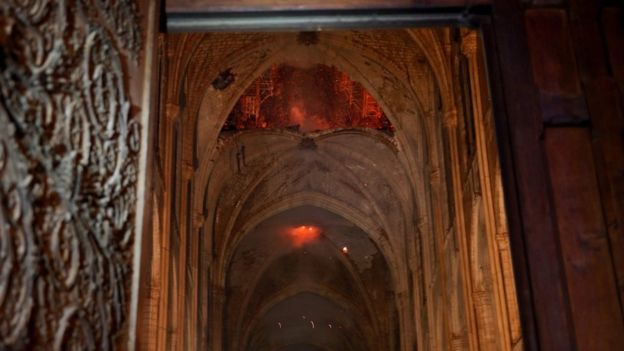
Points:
[344,238]
[351,185]
[368,178]
[309,292]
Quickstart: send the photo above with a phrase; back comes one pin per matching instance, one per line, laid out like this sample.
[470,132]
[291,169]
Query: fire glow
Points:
[303,234]
[307,100]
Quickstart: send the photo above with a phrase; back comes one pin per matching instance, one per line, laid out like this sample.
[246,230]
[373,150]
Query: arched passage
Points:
[270,266]
[404,189]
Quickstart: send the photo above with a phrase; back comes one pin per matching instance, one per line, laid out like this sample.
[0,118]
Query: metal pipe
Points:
[313,20]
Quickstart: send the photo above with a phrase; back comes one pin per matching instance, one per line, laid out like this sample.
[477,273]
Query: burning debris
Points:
[306,100]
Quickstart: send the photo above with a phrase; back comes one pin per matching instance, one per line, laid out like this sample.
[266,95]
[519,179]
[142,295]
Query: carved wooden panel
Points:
[69,144]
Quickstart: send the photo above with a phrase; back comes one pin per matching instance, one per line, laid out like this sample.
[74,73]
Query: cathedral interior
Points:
[336,190]
[365,175]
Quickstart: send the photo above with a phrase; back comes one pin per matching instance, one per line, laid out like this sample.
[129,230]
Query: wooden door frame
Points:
[501,23]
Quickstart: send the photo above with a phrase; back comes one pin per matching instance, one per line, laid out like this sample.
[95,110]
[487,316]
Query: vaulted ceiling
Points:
[308,276]
[313,230]
[315,244]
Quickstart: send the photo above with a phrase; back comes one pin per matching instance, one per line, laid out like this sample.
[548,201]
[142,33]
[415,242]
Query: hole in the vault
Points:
[223,80]
[306,100]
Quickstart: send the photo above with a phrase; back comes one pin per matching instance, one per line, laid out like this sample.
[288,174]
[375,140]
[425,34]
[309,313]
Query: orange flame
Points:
[307,99]
[303,234]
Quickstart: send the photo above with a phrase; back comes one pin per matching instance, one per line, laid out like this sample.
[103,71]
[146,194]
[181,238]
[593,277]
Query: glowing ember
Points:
[303,234]
[312,99]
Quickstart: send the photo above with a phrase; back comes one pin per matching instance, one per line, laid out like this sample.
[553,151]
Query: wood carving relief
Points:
[69,143]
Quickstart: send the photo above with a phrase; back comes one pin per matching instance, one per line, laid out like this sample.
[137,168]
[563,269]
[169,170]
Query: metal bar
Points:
[314,20]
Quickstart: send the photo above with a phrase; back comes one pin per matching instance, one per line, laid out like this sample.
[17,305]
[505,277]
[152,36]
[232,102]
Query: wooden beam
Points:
[584,240]
[542,290]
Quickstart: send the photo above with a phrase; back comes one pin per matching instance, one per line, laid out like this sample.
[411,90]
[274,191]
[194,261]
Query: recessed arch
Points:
[326,203]
[292,291]
[347,330]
